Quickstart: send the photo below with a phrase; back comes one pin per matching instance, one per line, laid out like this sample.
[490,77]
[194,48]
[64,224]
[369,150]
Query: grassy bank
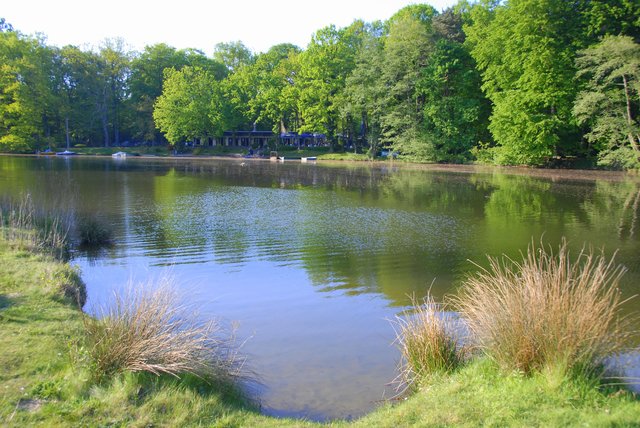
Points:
[47,376]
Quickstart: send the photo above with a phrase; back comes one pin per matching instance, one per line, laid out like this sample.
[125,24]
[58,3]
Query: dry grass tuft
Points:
[147,330]
[548,311]
[427,341]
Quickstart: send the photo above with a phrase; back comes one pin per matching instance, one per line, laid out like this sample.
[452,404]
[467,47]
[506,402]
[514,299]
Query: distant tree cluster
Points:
[507,82]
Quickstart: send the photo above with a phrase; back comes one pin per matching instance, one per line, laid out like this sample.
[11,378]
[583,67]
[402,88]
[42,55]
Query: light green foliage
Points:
[525,51]
[609,103]
[191,105]
[274,74]
[26,98]
[145,84]
[258,91]
[233,55]
[324,66]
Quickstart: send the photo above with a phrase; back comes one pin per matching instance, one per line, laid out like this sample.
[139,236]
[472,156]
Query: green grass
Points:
[345,156]
[45,375]
[481,394]
[45,378]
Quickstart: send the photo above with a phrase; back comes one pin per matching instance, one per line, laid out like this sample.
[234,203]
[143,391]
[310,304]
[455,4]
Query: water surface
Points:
[313,261]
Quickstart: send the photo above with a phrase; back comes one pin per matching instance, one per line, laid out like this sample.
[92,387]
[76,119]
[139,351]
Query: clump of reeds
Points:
[24,226]
[548,311]
[147,330]
[94,232]
[428,343]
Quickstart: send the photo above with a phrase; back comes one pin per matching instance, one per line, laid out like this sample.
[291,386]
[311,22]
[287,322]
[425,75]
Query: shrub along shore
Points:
[48,366]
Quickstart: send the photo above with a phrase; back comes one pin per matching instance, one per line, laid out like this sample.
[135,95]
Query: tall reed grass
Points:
[428,342]
[550,310]
[146,329]
[29,228]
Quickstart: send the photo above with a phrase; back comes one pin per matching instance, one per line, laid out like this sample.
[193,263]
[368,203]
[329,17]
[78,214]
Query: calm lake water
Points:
[314,261]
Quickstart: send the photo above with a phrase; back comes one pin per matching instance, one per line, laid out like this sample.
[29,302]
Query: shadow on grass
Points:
[5,302]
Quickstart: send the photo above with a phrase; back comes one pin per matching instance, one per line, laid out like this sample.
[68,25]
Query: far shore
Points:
[550,173]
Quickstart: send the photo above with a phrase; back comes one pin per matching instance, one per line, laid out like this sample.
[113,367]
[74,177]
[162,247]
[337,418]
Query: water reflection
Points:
[314,260]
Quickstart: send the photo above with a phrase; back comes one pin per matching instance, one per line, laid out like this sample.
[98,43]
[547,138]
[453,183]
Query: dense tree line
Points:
[509,82]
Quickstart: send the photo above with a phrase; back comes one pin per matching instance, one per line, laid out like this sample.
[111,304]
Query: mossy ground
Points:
[44,379]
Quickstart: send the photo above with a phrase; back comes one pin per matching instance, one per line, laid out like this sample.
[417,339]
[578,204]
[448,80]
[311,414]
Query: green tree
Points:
[234,55]
[613,17]
[364,94]
[270,75]
[324,66]
[525,50]
[145,83]
[406,52]
[191,105]
[82,93]
[115,71]
[455,110]
[611,102]
[27,102]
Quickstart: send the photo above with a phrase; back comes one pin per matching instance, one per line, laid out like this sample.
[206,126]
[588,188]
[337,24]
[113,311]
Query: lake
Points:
[314,261]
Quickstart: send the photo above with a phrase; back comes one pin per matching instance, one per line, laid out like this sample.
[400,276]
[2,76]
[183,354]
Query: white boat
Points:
[66,153]
[309,159]
[119,155]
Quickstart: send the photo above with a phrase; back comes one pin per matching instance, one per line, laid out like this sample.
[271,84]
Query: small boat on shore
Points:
[309,159]
[119,155]
[66,153]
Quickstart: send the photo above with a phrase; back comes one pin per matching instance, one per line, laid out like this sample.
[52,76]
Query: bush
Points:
[427,341]
[548,311]
[93,231]
[146,330]
[623,158]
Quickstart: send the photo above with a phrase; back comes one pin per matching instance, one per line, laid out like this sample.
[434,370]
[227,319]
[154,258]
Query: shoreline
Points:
[549,173]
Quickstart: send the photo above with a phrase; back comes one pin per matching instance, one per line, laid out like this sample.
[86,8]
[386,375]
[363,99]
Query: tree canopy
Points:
[509,82]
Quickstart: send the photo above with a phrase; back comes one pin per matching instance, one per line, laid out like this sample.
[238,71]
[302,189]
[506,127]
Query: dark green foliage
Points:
[455,110]
[94,231]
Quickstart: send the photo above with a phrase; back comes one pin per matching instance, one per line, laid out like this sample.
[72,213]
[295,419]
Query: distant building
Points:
[302,140]
[257,139]
[260,139]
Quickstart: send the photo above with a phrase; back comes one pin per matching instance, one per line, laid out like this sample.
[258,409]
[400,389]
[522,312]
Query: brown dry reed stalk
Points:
[427,340]
[146,329]
[548,311]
